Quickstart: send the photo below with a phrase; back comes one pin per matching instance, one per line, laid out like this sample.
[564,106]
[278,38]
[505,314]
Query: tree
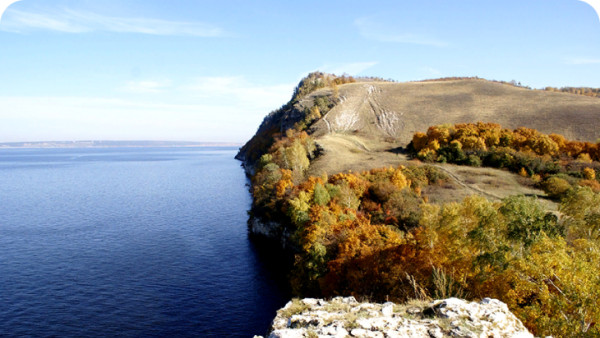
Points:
[321,195]
[526,219]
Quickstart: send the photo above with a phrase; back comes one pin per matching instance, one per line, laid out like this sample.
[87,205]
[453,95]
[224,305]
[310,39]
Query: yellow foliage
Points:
[584,158]
[433,145]
[419,141]
[399,180]
[559,140]
[472,143]
[523,172]
[282,186]
[441,134]
[589,173]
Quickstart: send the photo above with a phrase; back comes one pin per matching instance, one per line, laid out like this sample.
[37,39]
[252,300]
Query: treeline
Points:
[373,235]
[554,163]
[586,91]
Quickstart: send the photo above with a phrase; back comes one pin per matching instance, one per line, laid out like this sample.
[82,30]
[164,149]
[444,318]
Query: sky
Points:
[210,70]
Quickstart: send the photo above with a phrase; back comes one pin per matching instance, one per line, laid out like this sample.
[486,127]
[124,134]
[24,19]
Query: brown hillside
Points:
[398,110]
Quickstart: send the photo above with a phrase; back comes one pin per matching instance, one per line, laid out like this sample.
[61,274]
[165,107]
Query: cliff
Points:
[343,317]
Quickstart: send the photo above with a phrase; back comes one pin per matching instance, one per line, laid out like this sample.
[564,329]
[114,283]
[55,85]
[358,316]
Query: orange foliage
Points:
[284,184]
[419,141]
[480,136]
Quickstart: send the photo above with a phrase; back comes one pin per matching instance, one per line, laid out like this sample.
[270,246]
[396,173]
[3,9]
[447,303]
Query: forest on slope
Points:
[373,232]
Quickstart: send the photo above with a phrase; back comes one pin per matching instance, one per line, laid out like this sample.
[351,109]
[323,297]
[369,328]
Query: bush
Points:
[589,173]
[473,160]
[555,187]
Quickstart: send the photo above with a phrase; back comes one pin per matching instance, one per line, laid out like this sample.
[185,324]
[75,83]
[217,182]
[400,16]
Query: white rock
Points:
[333,331]
[435,332]
[287,333]
[358,332]
[440,318]
[365,323]
[310,301]
[387,309]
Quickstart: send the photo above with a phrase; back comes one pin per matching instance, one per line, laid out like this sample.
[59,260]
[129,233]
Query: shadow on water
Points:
[273,266]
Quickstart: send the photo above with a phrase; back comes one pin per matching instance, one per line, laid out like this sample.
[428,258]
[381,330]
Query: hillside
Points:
[371,121]
[378,116]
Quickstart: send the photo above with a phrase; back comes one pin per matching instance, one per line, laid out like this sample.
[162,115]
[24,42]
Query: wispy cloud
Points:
[351,68]
[236,90]
[76,21]
[582,61]
[372,30]
[143,87]
[431,71]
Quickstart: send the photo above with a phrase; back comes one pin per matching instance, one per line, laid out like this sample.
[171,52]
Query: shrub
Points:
[555,186]
[589,173]
[473,160]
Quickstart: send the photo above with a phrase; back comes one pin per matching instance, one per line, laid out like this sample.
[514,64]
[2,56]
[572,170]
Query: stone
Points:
[310,301]
[387,309]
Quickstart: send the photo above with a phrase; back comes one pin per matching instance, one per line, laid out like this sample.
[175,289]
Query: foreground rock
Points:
[342,317]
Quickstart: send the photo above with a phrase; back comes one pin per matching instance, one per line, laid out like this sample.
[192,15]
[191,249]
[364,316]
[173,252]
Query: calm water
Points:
[129,242]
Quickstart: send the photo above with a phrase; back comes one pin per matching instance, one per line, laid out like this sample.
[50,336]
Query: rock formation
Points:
[345,317]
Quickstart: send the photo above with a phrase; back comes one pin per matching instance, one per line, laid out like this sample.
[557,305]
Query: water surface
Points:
[129,242]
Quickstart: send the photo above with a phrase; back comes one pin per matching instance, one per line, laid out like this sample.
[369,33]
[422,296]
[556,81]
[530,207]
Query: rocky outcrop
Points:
[345,317]
[272,231]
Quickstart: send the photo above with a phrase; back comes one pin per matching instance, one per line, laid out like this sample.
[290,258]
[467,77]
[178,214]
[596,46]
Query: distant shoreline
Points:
[114,144]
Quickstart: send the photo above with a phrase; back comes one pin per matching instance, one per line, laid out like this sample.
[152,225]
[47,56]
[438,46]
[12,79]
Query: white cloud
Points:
[352,68]
[372,30]
[73,21]
[582,61]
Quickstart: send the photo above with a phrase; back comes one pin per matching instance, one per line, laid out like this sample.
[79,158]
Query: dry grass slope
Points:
[398,110]
[374,117]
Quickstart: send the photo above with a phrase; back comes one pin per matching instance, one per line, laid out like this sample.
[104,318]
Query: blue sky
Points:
[211,70]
